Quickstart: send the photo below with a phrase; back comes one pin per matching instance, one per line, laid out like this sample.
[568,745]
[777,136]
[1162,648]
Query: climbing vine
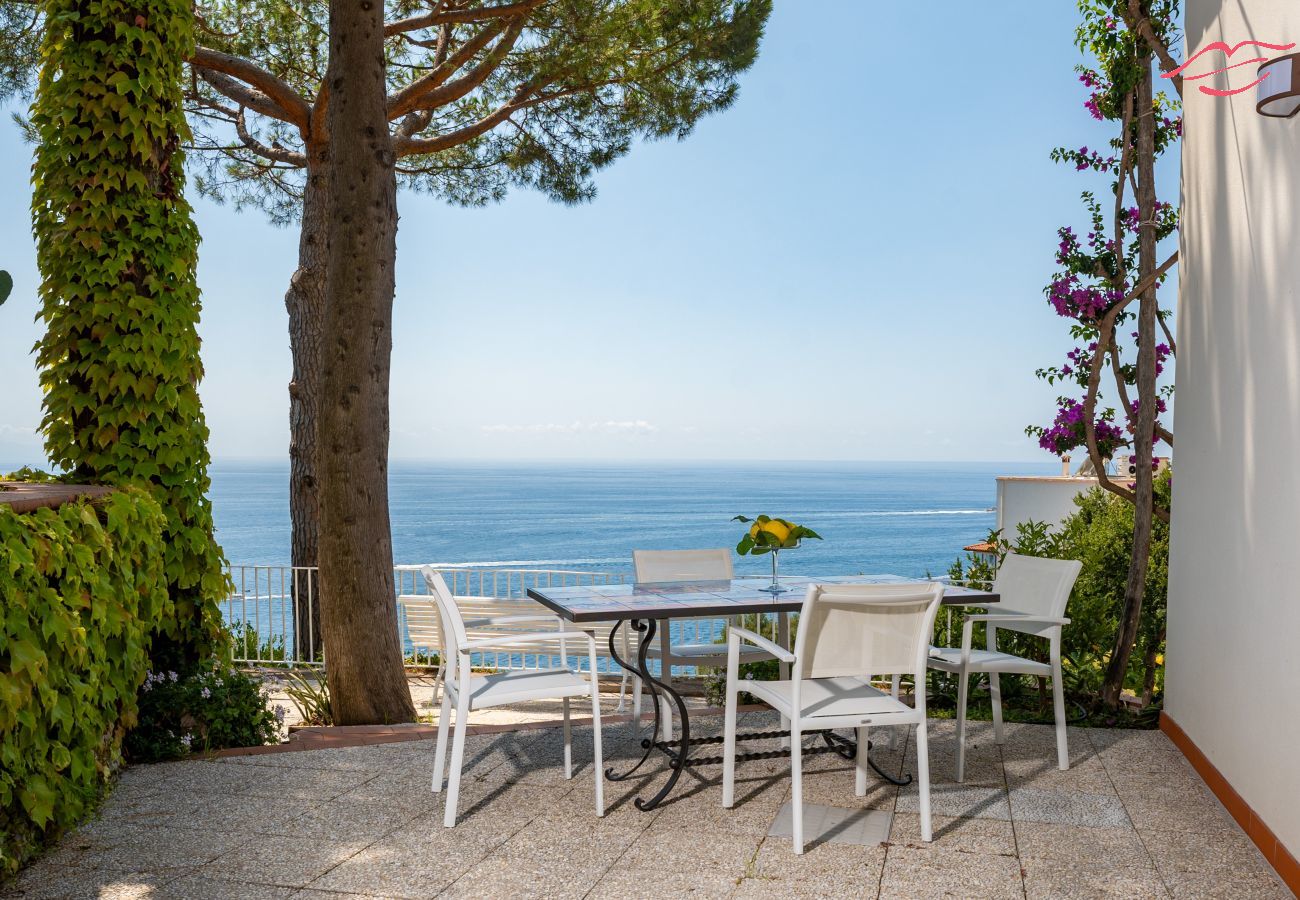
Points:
[83,587]
[117,249]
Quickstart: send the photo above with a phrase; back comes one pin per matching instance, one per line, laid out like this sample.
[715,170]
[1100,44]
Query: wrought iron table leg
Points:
[848,748]
[647,629]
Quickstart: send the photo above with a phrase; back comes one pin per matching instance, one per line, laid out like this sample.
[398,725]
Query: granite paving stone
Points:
[1031,804]
[1074,845]
[281,861]
[1048,879]
[1130,818]
[1222,886]
[929,872]
[991,836]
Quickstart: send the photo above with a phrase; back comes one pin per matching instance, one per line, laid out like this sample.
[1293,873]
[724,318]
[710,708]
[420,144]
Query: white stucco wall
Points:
[1038,499]
[1234,610]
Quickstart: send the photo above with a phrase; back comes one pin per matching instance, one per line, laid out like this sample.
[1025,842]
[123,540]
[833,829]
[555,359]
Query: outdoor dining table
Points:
[642,606]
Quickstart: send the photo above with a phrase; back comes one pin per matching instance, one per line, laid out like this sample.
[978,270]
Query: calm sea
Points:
[900,518]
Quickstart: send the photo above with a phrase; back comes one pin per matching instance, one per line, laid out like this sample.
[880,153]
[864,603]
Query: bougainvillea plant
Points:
[1102,275]
[1108,277]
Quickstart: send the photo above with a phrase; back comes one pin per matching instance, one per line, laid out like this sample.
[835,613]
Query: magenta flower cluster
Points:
[1091,159]
[1068,432]
[1078,301]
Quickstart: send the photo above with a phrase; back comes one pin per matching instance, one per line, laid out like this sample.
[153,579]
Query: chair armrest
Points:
[762,643]
[509,620]
[508,640]
[1017,617]
[1010,618]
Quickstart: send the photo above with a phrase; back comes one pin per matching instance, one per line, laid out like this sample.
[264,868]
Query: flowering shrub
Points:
[1067,431]
[212,708]
[1099,533]
[1096,278]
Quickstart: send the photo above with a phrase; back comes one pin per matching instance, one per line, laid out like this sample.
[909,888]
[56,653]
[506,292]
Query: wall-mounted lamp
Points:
[1278,94]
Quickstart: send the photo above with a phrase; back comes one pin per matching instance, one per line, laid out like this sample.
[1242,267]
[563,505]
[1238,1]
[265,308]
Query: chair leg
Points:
[1058,704]
[440,749]
[568,741]
[995,697]
[729,741]
[796,788]
[596,750]
[666,676]
[457,757]
[995,690]
[622,693]
[963,679]
[623,682]
[923,777]
[666,716]
[636,705]
[895,682]
[860,774]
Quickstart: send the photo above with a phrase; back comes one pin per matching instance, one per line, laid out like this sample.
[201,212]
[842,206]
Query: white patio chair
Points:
[470,692]
[847,634]
[1033,592]
[689,565]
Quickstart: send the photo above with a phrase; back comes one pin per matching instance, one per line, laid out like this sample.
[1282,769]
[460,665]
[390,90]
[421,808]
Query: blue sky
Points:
[847,264]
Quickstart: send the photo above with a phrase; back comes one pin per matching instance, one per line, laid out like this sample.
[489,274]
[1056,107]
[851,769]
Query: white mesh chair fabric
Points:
[847,634]
[847,630]
[1033,593]
[657,566]
[682,565]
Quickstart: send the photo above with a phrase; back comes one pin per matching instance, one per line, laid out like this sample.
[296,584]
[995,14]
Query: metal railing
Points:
[273,619]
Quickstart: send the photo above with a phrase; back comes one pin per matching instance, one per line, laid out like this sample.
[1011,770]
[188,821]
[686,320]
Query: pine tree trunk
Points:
[305,301]
[358,601]
[1144,432]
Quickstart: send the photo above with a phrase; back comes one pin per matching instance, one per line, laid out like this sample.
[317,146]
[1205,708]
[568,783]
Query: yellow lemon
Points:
[777,529]
[753,531]
[1160,659]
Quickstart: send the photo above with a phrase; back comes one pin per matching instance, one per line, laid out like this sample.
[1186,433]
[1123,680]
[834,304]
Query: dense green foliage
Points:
[210,709]
[581,82]
[117,249]
[83,588]
[1100,535]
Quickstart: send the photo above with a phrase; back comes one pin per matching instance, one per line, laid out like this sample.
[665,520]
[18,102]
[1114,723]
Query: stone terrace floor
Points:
[1129,819]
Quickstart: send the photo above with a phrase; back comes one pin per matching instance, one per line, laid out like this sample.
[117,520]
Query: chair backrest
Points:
[1035,585]
[452,631]
[682,565]
[421,615]
[865,630]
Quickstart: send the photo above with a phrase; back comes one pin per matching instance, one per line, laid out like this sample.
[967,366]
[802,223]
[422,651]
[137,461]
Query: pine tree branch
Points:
[259,91]
[276,154]
[441,16]
[411,146]
[414,94]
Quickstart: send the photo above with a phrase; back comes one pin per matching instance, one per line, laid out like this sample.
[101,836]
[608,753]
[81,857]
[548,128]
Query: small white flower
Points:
[186,740]
[205,693]
[173,676]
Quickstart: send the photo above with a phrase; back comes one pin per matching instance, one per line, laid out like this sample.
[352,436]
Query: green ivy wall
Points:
[84,587]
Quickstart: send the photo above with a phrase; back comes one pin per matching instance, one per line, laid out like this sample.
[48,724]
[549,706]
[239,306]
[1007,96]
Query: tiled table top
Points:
[739,596]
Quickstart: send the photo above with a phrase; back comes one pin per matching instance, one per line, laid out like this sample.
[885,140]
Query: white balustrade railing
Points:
[273,619]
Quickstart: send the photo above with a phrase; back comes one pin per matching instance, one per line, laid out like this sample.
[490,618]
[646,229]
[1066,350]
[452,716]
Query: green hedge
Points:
[83,588]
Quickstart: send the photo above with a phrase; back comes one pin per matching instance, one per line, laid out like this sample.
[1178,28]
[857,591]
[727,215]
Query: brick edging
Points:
[337,736]
[1277,855]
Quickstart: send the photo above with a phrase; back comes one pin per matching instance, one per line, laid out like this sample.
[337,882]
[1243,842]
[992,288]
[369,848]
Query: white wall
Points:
[1234,601]
[1025,498]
